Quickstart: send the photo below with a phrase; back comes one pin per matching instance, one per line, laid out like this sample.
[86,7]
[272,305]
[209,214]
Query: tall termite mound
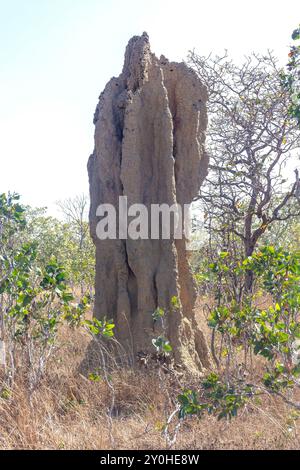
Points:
[150,127]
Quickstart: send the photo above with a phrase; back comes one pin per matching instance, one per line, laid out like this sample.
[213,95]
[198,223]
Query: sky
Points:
[57,55]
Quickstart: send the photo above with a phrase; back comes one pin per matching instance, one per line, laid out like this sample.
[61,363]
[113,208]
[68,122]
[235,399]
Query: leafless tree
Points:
[252,141]
[75,212]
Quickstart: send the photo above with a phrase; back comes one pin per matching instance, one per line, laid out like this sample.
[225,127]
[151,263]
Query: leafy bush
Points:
[265,324]
[34,299]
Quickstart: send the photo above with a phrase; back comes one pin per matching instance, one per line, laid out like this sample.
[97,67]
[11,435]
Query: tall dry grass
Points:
[70,411]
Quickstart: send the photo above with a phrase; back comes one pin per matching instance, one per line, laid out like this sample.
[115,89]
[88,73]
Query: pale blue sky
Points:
[57,55]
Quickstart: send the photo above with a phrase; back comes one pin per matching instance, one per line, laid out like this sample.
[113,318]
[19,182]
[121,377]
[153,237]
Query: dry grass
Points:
[69,411]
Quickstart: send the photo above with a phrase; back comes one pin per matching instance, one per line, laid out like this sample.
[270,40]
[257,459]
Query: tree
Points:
[251,138]
[34,291]
[12,220]
[61,239]
[75,212]
[291,79]
[79,249]
[33,298]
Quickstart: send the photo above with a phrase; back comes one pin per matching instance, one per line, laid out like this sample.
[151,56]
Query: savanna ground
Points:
[70,411]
